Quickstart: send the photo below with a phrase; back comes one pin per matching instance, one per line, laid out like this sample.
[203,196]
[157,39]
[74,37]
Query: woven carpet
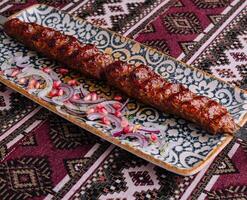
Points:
[45,157]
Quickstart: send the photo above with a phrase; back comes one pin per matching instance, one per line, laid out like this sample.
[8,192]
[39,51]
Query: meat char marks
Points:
[139,82]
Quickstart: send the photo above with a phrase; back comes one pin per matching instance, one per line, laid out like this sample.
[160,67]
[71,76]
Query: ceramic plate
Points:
[181,148]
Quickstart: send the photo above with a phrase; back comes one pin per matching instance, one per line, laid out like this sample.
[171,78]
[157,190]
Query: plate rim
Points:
[181,171]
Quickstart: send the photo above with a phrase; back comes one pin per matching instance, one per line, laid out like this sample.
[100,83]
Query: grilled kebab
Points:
[139,82]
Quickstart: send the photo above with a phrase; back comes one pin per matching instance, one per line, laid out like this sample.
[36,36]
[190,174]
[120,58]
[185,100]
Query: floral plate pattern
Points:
[186,148]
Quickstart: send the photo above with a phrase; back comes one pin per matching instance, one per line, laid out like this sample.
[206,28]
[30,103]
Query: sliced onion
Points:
[81,101]
[54,76]
[5,66]
[163,147]
[67,111]
[111,102]
[35,72]
[26,68]
[117,132]
[109,108]
[108,105]
[68,93]
[115,120]
[72,107]
[142,140]
[21,62]
[149,130]
[93,123]
[94,116]
[102,103]
[23,65]
[9,71]
[47,99]
[124,105]
[83,91]
[36,77]
[74,112]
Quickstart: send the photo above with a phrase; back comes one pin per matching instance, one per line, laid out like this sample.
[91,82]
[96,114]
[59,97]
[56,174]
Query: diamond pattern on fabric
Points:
[25,177]
[182,23]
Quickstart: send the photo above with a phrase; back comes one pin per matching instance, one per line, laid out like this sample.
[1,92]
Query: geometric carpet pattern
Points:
[45,157]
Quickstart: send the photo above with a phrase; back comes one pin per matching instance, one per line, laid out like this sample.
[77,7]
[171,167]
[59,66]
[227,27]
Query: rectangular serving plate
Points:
[189,148]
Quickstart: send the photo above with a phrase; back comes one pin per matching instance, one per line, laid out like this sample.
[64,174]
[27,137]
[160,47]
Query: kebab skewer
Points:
[138,82]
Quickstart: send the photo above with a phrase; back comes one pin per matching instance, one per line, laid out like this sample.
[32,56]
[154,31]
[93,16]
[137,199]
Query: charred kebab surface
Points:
[139,82]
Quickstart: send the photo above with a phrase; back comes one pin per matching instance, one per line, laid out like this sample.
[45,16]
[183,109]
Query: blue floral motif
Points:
[205,88]
[66,25]
[87,33]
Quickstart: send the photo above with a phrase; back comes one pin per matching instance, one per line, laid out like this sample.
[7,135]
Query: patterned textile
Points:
[210,35]
[45,157]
